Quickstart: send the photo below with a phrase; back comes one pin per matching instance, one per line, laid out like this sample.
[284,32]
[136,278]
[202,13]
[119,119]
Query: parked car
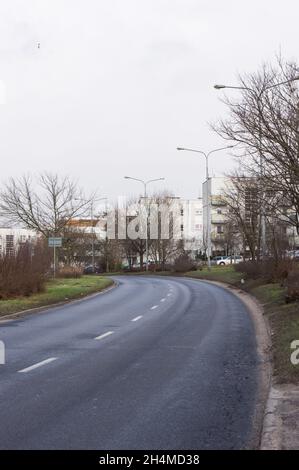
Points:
[92,270]
[293,254]
[227,260]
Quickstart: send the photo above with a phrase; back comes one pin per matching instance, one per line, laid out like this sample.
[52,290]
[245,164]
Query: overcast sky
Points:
[117,85]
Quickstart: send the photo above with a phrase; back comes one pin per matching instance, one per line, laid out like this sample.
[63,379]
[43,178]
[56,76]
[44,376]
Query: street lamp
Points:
[145,183]
[221,87]
[258,98]
[206,155]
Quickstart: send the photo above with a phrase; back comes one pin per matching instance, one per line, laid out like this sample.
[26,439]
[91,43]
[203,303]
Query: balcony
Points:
[218,219]
[218,201]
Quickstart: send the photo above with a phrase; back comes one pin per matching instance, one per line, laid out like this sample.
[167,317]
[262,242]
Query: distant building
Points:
[215,186]
[97,226]
[11,238]
[192,225]
[190,222]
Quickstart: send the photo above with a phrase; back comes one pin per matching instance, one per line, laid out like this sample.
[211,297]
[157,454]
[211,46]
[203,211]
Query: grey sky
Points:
[116,85]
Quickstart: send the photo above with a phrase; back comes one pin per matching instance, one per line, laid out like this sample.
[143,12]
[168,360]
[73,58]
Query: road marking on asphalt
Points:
[162,300]
[104,335]
[137,318]
[153,307]
[38,364]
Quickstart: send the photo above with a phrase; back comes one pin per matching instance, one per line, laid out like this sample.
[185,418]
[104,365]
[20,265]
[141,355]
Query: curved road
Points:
[156,363]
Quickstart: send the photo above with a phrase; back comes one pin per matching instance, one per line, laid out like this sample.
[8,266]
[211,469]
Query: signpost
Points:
[54,242]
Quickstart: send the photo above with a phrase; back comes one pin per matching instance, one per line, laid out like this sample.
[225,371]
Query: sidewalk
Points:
[281,424]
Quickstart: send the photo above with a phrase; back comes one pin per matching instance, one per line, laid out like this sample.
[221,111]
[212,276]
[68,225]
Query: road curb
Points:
[12,316]
[266,422]
[272,429]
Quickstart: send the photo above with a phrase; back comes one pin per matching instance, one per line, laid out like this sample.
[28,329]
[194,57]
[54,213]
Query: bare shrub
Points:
[284,268]
[252,269]
[269,270]
[69,272]
[183,263]
[293,286]
[24,272]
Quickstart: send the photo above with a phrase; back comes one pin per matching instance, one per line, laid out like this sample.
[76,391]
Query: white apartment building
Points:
[189,221]
[190,214]
[192,225]
[216,187]
[11,238]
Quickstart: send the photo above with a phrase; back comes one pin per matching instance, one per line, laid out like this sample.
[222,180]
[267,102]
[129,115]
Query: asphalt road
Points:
[156,363]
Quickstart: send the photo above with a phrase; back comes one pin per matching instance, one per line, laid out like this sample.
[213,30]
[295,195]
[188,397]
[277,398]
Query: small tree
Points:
[45,204]
[264,119]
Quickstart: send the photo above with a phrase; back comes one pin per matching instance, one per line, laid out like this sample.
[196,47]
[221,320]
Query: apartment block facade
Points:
[11,238]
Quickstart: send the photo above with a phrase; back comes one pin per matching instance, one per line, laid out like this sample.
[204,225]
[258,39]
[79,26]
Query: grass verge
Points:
[57,290]
[284,323]
[218,273]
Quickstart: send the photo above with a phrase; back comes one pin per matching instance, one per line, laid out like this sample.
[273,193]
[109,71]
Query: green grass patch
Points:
[285,329]
[218,273]
[270,295]
[57,290]
[284,322]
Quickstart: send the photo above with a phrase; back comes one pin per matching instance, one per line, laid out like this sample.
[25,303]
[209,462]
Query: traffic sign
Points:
[55,241]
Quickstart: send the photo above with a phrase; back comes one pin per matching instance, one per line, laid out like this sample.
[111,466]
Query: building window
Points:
[9,244]
[182,211]
[182,228]
[219,229]
[219,211]
[23,239]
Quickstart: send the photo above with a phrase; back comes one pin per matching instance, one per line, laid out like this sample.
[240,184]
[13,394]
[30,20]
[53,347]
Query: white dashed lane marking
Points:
[104,335]
[137,318]
[38,364]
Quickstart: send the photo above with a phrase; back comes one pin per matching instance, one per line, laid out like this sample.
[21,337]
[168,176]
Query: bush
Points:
[24,272]
[183,263]
[68,272]
[252,269]
[268,270]
[292,286]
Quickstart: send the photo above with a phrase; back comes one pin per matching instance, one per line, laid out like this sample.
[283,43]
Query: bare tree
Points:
[264,120]
[76,248]
[161,248]
[231,238]
[45,204]
[241,197]
[164,249]
[243,202]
